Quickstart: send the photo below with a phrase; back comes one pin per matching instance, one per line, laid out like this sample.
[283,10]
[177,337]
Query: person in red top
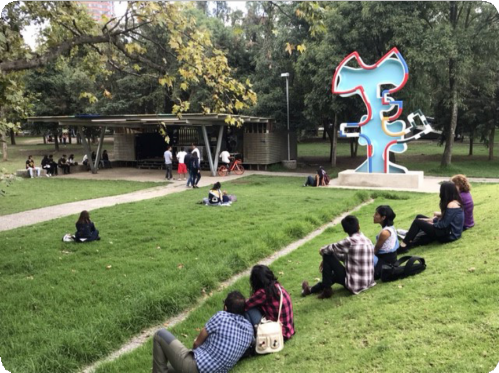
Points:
[266,298]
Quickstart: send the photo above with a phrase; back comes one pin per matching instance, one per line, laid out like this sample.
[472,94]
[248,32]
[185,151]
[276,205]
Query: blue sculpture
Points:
[379,129]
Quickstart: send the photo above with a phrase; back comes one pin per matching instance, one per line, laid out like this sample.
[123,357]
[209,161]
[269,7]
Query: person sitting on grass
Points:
[446,227]
[265,300]
[30,167]
[387,243]
[356,251]
[317,180]
[218,347]
[463,186]
[215,196]
[85,229]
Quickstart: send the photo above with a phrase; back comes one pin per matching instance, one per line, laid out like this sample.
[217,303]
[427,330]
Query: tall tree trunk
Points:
[44,140]
[451,127]
[12,137]
[4,146]
[69,136]
[472,138]
[491,142]
[55,134]
[354,145]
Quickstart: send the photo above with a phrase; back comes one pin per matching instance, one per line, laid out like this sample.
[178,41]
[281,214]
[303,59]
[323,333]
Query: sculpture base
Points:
[290,165]
[409,180]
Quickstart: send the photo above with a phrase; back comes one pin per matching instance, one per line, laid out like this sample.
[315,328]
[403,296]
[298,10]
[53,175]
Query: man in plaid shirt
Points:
[218,347]
[356,251]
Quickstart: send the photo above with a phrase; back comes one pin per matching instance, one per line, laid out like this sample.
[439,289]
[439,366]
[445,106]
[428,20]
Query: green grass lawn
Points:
[442,320]
[62,307]
[420,156]
[28,194]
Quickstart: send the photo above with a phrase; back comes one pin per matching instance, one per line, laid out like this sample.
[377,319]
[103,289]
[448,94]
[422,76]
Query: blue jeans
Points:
[253,315]
[190,180]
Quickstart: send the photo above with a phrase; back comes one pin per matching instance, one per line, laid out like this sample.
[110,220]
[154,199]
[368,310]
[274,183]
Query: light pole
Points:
[286,75]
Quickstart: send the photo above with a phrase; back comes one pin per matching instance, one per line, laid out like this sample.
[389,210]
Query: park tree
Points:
[122,46]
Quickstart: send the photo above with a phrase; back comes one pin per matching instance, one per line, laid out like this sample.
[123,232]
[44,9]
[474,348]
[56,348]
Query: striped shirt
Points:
[357,253]
[270,309]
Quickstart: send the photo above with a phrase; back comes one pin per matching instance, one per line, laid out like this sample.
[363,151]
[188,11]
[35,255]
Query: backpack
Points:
[396,271]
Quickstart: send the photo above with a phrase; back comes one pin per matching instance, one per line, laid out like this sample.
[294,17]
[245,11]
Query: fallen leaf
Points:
[281,273]
[400,286]
[109,267]
[184,335]
[180,266]
[158,247]
[472,269]
[197,329]
[65,252]
[30,278]
[111,242]
[317,279]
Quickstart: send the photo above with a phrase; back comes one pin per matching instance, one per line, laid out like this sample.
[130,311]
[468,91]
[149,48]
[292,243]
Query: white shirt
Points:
[225,156]
[168,157]
[181,156]
[196,150]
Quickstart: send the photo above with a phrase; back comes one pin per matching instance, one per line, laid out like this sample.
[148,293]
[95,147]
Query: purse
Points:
[269,337]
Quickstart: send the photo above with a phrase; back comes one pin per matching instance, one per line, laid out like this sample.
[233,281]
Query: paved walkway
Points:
[430,185]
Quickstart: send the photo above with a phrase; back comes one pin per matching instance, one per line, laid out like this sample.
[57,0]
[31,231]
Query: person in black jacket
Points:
[85,229]
[46,165]
[63,164]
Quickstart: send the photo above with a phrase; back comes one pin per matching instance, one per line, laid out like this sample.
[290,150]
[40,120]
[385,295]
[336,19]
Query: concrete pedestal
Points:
[410,180]
[290,165]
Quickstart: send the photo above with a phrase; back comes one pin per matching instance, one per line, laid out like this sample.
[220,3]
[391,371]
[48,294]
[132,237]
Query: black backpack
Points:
[395,271]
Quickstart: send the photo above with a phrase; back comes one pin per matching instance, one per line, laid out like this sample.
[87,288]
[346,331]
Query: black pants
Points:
[388,258]
[431,233]
[333,272]
[310,181]
[168,171]
[65,168]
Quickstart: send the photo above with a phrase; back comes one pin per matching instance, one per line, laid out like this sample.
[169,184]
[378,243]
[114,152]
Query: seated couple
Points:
[446,225]
[228,334]
[216,197]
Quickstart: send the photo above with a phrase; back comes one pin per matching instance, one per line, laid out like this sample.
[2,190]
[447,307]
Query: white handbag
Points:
[269,337]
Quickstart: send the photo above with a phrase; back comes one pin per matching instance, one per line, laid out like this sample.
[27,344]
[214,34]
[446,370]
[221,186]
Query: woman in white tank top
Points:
[385,250]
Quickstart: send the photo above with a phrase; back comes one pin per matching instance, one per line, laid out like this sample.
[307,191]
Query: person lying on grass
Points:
[265,300]
[387,243]
[85,229]
[356,251]
[446,227]
[317,180]
[217,348]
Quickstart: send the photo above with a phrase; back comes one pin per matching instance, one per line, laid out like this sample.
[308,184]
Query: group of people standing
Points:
[188,163]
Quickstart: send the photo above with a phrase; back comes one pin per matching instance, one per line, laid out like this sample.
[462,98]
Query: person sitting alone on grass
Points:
[317,180]
[463,186]
[85,229]
[218,347]
[446,227]
[356,251]
[31,168]
[387,243]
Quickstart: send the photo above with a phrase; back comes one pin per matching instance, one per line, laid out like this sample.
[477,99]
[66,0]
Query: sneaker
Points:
[305,289]
[326,293]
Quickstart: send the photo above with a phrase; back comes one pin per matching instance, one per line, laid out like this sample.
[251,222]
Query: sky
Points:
[30,32]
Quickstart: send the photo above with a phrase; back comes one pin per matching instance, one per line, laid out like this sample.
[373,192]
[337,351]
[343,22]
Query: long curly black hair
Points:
[263,278]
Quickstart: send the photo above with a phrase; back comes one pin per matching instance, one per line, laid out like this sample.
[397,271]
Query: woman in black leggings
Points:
[446,228]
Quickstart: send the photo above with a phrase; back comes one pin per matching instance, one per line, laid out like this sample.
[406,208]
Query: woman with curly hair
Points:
[463,186]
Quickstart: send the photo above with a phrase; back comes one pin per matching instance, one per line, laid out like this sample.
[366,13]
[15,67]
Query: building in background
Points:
[99,8]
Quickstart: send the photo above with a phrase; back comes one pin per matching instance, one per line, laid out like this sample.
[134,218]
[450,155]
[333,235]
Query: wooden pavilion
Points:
[138,142]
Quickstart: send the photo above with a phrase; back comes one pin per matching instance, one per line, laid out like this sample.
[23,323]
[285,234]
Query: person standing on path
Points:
[168,162]
[196,150]
[182,169]
[195,171]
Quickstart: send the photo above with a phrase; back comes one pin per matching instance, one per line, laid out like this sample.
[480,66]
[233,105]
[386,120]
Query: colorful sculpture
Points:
[379,129]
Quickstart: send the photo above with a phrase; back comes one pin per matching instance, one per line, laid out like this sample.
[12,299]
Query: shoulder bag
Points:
[269,337]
